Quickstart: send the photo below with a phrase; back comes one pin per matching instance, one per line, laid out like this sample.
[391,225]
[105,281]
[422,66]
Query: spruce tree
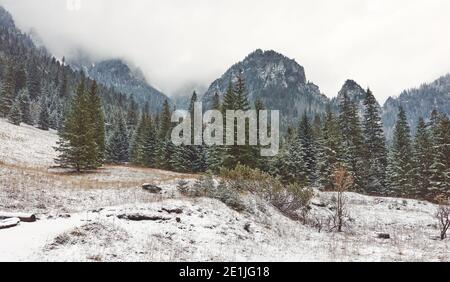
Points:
[214,153]
[290,163]
[7,94]
[375,145]
[236,99]
[423,160]
[352,142]
[43,122]
[329,149]
[306,137]
[440,169]
[15,116]
[77,146]
[118,144]
[33,81]
[165,147]
[97,119]
[24,100]
[401,171]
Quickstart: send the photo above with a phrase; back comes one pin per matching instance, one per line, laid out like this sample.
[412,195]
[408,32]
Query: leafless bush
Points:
[292,200]
[342,181]
[443,215]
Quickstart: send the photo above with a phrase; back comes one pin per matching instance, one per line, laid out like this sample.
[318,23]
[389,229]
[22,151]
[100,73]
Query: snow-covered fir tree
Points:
[375,145]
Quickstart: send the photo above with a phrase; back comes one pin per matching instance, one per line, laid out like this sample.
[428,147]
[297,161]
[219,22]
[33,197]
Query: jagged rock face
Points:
[418,102]
[278,81]
[354,92]
[115,73]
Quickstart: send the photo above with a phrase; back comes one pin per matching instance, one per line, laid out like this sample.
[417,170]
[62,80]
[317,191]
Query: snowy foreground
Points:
[87,218]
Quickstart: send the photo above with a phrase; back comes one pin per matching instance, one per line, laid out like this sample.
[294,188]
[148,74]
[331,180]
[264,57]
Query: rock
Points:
[141,217]
[176,210]
[178,219]
[24,217]
[9,222]
[318,204]
[384,236]
[247,227]
[151,188]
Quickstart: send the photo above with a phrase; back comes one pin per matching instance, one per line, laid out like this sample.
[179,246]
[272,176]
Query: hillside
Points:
[80,218]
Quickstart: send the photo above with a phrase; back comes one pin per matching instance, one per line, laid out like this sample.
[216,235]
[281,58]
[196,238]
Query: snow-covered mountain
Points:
[117,74]
[278,81]
[418,102]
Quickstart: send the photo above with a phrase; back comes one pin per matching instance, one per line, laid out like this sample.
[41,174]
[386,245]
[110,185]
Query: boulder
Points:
[384,236]
[24,217]
[151,188]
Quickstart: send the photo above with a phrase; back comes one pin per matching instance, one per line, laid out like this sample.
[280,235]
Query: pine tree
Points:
[352,142]
[15,116]
[329,149]
[117,145]
[401,171]
[24,100]
[43,122]
[33,81]
[423,159]
[187,158]
[97,119]
[165,147]
[77,145]
[440,178]
[7,95]
[375,146]
[306,137]
[214,153]
[290,163]
[63,90]
[236,99]
[144,142]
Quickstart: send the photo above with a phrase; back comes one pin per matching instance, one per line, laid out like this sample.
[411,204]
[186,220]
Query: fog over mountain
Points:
[387,45]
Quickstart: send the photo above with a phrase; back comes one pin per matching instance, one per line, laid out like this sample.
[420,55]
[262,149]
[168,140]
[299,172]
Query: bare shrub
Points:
[443,215]
[206,187]
[342,181]
[292,200]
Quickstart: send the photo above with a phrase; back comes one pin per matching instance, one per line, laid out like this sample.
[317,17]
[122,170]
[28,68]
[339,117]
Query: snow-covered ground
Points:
[81,218]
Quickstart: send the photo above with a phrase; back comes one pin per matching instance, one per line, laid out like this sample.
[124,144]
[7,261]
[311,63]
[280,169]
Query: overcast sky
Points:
[387,45]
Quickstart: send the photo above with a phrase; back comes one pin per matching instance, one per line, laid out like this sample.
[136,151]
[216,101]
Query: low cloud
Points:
[387,45]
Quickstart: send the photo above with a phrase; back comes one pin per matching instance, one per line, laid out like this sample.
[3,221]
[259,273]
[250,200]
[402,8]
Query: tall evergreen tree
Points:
[290,163]
[95,111]
[440,178]
[15,116]
[117,145]
[423,159]
[401,171]
[329,149]
[375,145]
[352,142]
[214,153]
[165,147]
[236,99]
[25,104]
[306,137]
[43,122]
[33,81]
[7,95]
[77,146]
